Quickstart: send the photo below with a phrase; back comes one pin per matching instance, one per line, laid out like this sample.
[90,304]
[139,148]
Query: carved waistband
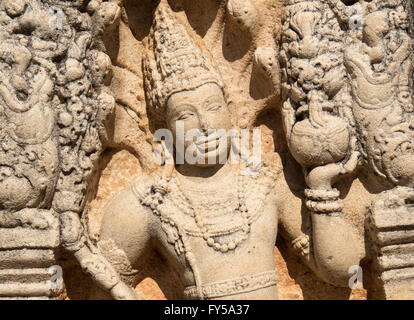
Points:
[239,285]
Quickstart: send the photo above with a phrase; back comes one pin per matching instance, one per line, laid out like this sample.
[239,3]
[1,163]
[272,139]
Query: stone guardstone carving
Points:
[215,223]
[379,64]
[390,223]
[54,110]
[342,79]
[347,90]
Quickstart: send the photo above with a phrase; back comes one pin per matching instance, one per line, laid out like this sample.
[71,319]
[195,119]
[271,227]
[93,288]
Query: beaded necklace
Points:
[241,210]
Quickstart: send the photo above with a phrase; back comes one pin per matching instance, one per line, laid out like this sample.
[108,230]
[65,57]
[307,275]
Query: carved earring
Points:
[168,162]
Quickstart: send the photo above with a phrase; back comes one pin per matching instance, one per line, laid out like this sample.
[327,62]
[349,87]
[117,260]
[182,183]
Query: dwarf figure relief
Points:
[347,91]
[215,224]
[379,65]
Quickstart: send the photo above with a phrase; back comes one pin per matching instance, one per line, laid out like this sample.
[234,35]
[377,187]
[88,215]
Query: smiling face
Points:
[203,109]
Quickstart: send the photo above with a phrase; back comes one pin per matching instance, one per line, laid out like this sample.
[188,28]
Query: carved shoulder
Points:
[126,224]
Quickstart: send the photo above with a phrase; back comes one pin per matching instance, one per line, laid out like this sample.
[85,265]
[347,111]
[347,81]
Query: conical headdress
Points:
[174,62]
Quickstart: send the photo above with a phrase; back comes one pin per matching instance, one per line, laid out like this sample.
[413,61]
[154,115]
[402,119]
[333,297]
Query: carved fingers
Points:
[351,164]
[301,245]
[323,177]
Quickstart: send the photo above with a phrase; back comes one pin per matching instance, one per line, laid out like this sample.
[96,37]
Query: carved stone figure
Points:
[215,224]
[348,90]
[94,92]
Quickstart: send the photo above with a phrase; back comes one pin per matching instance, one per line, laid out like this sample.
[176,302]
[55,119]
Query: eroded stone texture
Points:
[348,81]
[84,85]
[228,213]
[55,108]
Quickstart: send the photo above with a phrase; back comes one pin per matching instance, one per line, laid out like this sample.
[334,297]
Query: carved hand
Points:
[323,177]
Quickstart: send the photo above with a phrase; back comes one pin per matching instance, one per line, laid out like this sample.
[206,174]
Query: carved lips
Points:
[207,143]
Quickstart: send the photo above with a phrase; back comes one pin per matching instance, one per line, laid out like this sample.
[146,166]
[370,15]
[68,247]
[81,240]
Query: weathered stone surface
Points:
[177,68]
[324,199]
[26,258]
[55,106]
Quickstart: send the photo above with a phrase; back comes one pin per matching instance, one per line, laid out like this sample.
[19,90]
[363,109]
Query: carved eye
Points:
[214,107]
[184,116]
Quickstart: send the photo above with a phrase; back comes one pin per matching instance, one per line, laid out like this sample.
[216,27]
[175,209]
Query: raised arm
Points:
[316,229]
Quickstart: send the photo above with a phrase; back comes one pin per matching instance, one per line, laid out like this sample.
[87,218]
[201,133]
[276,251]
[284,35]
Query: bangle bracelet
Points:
[324,207]
[322,195]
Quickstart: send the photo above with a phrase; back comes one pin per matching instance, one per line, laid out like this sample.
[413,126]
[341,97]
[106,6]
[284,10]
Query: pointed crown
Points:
[174,61]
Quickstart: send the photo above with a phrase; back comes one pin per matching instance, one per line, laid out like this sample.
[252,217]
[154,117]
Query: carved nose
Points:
[204,124]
